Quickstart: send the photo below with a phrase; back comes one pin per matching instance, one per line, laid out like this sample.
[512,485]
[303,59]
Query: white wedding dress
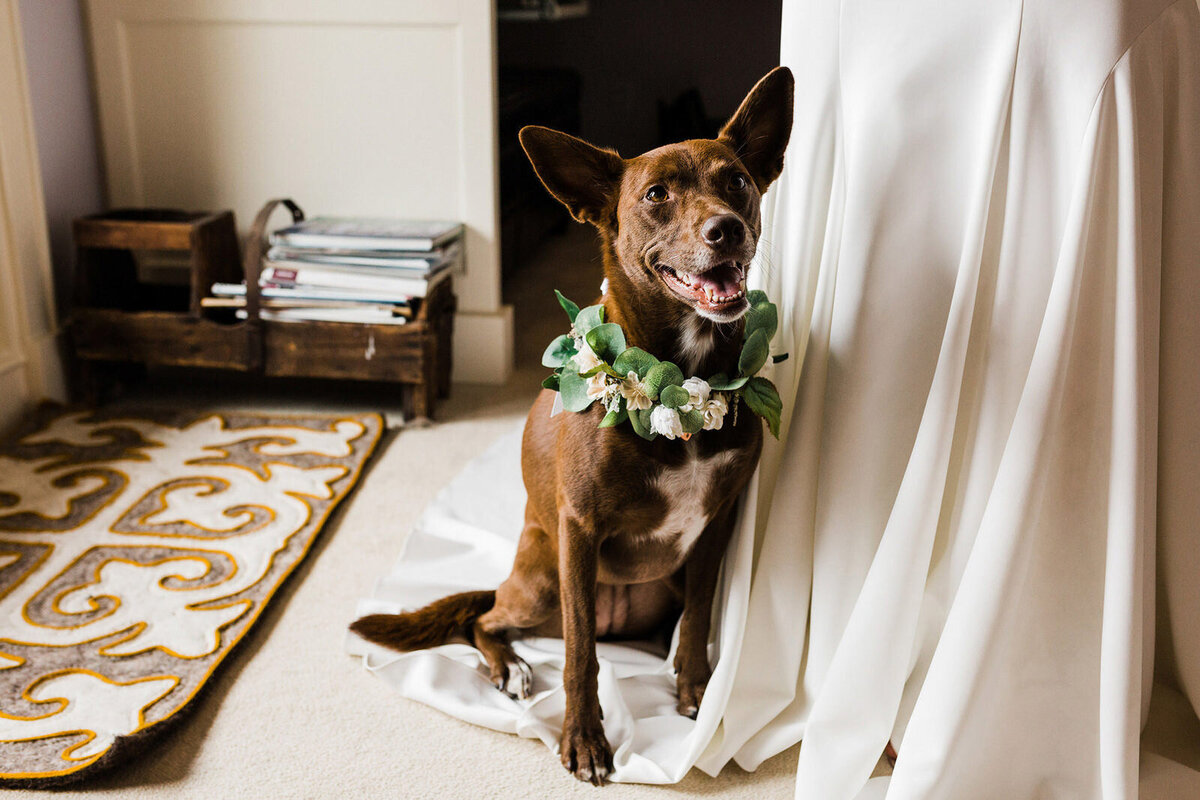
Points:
[985,247]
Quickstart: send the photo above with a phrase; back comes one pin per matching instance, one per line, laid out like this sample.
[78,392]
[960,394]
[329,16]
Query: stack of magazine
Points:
[349,270]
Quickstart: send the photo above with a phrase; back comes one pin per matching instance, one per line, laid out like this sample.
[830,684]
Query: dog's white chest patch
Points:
[685,489]
[695,343]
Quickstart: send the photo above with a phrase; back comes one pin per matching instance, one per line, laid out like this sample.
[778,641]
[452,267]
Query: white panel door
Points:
[352,107]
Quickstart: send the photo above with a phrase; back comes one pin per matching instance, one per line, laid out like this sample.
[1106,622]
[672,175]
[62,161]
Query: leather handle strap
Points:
[252,269]
[252,263]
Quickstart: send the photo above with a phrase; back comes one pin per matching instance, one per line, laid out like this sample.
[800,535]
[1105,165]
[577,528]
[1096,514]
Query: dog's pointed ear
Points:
[583,178]
[758,131]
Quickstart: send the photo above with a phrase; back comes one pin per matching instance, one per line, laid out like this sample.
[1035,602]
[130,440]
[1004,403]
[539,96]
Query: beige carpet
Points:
[291,715]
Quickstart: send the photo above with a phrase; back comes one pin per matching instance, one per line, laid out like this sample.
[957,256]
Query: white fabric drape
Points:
[985,246]
[988,227]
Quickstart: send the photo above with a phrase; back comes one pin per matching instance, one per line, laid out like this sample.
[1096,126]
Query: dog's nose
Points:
[723,231]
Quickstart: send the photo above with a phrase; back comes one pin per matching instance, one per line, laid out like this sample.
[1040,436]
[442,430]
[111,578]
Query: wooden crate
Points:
[118,319]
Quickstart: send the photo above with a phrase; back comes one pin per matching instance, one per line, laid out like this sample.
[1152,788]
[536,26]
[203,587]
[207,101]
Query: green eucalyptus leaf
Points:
[693,421]
[754,353]
[640,420]
[551,381]
[588,318]
[721,383]
[607,341]
[601,368]
[763,399]
[560,351]
[573,389]
[764,317]
[634,359]
[664,373]
[616,416]
[569,307]
[756,297]
[673,396]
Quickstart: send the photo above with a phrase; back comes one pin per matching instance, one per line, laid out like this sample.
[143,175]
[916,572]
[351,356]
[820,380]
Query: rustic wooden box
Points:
[118,319]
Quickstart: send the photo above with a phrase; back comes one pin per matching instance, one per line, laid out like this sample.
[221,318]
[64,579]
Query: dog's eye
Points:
[656,193]
[738,182]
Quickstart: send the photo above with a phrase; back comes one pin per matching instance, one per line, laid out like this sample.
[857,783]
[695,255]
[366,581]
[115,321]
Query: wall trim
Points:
[29,327]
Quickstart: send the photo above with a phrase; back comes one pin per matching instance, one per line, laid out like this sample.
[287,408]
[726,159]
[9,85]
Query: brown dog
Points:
[619,530]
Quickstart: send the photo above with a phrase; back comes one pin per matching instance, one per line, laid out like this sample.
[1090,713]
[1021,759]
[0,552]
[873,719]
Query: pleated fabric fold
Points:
[969,529]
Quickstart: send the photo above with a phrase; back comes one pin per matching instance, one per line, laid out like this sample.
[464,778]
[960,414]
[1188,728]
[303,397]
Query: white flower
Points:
[597,385]
[714,412]
[586,359]
[635,394]
[697,389]
[666,421]
[610,396]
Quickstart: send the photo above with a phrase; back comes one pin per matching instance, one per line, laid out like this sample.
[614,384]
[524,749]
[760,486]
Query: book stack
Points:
[349,270]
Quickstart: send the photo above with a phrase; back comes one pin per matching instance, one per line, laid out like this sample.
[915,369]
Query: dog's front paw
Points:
[586,754]
[691,692]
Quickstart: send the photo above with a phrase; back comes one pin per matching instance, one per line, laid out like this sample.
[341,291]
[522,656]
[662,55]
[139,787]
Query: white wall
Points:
[351,107]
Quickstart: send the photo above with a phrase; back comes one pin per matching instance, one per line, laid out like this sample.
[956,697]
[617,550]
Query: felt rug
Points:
[134,554]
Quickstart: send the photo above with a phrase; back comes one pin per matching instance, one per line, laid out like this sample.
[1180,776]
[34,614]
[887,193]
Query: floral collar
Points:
[593,363]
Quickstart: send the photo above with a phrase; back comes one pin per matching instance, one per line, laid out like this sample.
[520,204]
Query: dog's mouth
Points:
[718,293]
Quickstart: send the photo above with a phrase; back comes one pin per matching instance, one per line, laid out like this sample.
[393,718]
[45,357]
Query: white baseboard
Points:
[14,400]
[28,381]
[483,346]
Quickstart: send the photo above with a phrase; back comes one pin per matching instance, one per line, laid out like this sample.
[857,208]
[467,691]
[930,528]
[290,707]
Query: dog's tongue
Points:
[722,281]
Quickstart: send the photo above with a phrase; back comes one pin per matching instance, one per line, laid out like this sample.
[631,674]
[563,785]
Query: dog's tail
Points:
[430,626]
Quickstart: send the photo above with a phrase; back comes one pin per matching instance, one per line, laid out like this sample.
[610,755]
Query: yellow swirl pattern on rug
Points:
[134,554]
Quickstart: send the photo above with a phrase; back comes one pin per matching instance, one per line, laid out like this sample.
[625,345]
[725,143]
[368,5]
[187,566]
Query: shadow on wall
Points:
[65,124]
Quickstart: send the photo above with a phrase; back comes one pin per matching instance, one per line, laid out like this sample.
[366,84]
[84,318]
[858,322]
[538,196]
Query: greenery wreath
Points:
[593,364]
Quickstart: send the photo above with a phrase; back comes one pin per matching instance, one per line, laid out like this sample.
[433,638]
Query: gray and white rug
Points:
[134,554]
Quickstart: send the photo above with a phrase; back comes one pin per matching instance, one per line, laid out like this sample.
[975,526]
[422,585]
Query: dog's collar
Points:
[592,363]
